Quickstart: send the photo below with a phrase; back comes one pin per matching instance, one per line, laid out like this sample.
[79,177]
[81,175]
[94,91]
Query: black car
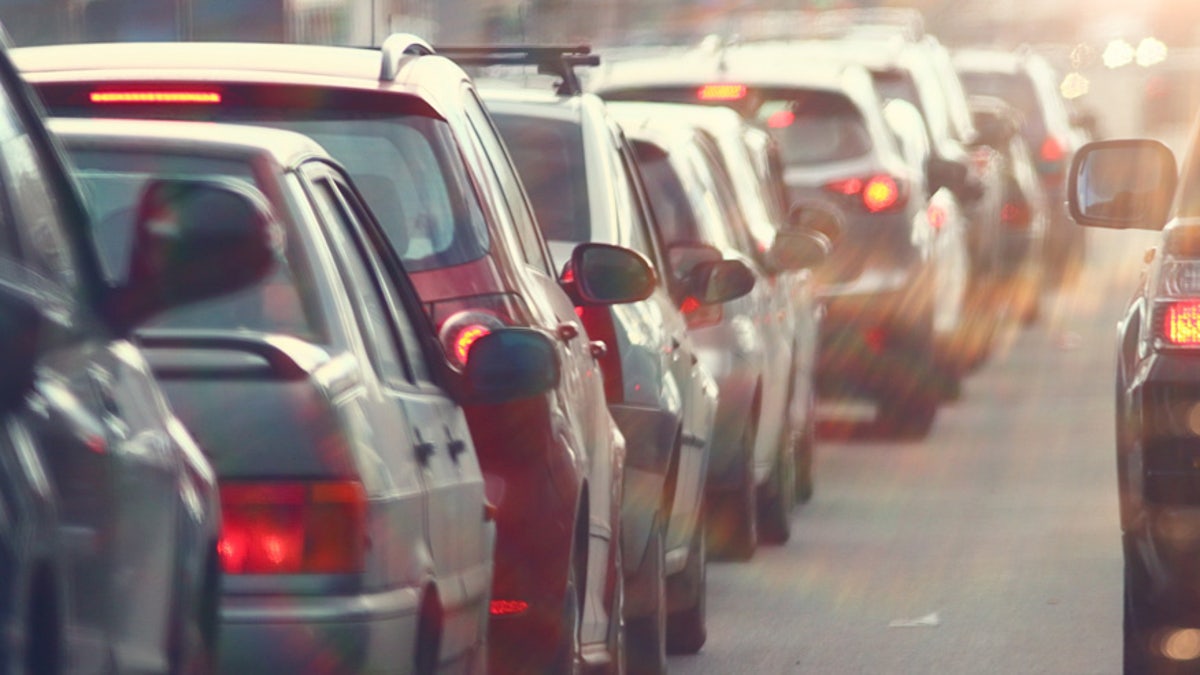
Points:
[108,511]
[1132,184]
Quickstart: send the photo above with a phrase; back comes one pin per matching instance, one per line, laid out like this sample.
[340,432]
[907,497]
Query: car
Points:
[108,538]
[418,143]
[1132,184]
[1023,211]
[581,177]
[361,503]
[881,294]
[1028,82]
[751,476]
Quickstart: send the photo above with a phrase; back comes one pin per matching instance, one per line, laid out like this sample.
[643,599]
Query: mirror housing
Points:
[509,364]
[194,240]
[1122,184]
[22,324]
[713,282]
[609,275]
[946,173]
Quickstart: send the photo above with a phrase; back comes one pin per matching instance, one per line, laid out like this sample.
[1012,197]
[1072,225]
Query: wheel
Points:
[687,594]
[1139,619]
[779,496]
[646,636]
[567,658]
[192,646]
[733,516]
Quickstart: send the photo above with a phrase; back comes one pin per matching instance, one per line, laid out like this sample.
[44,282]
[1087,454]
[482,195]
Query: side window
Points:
[506,174]
[368,305]
[643,239]
[29,202]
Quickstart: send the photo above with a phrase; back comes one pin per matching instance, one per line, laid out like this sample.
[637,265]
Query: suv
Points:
[1028,82]
[751,479]
[412,133]
[329,372]
[888,304]
[1132,184]
[108,542]
[581,178]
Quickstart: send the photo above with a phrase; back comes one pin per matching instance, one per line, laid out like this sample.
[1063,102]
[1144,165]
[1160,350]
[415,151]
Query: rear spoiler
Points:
[557,60]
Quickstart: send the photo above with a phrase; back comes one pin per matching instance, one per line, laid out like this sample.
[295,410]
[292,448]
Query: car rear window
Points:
[549,157]
[813,127]
[1016,90]
[112,181]
[402,156]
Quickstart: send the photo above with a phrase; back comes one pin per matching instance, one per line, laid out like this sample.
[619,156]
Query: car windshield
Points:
[113,180]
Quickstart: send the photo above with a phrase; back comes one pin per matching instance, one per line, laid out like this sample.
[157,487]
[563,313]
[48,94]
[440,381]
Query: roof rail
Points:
[558,60]
[397,46]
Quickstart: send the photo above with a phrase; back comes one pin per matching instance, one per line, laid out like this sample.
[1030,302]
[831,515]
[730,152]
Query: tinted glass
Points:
[814,128]
[549,156]
[113,181]
[1015,89]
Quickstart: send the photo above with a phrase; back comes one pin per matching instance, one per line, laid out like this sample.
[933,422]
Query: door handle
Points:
[567,331]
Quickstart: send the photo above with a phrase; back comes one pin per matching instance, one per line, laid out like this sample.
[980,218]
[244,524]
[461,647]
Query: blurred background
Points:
[1104,49]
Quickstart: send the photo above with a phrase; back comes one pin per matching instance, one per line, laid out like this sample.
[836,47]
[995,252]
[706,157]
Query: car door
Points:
[97,419]
[458,533]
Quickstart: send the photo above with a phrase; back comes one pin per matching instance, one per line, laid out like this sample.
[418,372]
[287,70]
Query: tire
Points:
[779,496]
[646,636]
[1139,619]
[733,516]
[908,419]
[687,626]
[193,647]
[805,448]
[567,656]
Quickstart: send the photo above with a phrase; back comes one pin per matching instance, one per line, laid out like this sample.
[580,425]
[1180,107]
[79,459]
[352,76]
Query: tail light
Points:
[1177,312]
[699,315]
[877,193]
[462,321]
[598,323]
[1052,150]
[293,527]
[937,216]
[508,607]
[981,157]
[1016,215]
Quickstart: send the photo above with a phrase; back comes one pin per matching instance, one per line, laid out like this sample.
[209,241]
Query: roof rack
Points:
[558,60]
[397,46]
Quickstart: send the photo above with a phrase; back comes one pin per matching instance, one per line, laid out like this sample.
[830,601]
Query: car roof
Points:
[987,60]
[285,148]
[404,64]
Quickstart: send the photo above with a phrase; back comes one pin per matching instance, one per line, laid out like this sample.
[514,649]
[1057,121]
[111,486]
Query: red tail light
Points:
[699,315]
[509,607]
[876,193]
[155,97]
[462,321]
[293,527]
[721,92]
[1181,323]
[598,323]
[1052,150]
[937,216]
[781,119]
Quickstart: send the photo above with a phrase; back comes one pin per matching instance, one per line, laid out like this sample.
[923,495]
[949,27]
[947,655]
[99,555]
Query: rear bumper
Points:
[365,633]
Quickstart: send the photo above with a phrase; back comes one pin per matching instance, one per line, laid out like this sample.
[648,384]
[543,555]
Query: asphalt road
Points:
[992,546]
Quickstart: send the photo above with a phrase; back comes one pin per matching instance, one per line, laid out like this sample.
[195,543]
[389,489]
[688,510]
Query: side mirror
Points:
[949,174]
[509,364]
[1123,184]
[798,250]
[194,240]
[717,281]
[22,324]
[608,275]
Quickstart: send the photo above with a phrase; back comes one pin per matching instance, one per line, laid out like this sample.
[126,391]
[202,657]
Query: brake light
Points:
[698,314]
[463,329]
[1181,323]
[1052,150]
[721,92]
[781,119]
[508,607]
[876,193]
[293,527]
[937,216]
[155,97]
